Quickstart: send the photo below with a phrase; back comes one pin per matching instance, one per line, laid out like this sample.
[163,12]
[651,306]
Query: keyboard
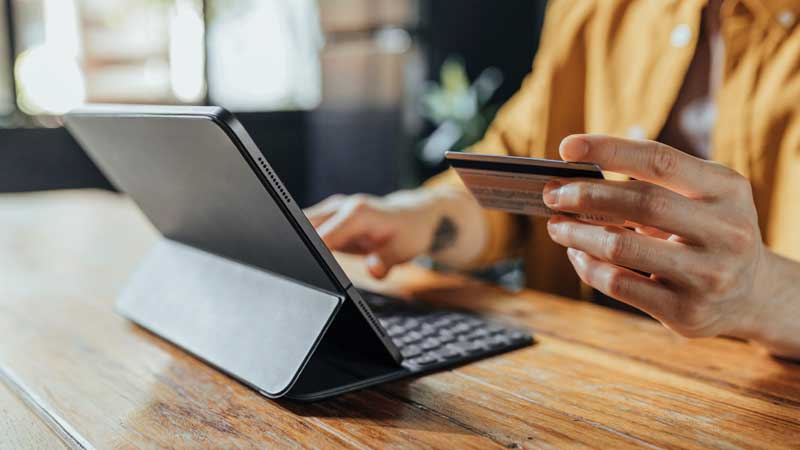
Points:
[430,338]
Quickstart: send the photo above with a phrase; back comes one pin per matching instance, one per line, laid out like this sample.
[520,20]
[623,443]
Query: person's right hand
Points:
[389,230]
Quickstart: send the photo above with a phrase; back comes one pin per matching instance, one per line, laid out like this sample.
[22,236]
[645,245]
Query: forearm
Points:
[777,321]
[461,234]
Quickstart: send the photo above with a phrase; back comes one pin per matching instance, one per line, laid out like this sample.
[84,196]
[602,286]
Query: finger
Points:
[648,161]
[624,285]
[636,201]
[348,224]
[381,262]
[624,247]
[323,210]
[363,245]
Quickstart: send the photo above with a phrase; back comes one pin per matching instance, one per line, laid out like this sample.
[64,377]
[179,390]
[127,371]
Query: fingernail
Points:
[572,253]
[551,192]
[573,148]
[375,266]
[554,223]
[551,227]
[373,260]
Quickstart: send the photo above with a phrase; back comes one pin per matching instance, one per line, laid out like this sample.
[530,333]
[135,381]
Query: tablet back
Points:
[188,176]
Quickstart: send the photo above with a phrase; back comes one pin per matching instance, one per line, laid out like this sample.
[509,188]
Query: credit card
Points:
[515,184]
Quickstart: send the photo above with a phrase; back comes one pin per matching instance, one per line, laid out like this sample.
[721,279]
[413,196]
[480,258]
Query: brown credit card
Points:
[514,184]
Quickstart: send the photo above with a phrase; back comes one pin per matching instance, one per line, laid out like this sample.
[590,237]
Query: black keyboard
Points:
[430,338]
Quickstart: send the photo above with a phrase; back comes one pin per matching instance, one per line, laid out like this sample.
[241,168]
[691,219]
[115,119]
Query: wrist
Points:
[754,318]
[459,233]
[775,307]
[432,206]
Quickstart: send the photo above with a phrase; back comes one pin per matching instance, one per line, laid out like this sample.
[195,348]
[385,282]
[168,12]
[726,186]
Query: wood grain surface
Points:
[596,378]
[21,428]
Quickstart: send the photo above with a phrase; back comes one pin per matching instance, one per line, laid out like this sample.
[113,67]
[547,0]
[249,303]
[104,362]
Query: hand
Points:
[390,230]
[695,229]
[444,222]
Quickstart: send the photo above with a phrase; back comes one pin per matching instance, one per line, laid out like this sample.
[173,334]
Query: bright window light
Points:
[49,76]
[187,52]
[265,55]
[48,82]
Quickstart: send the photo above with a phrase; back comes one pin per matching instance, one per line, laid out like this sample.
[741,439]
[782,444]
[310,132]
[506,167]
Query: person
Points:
[695,107]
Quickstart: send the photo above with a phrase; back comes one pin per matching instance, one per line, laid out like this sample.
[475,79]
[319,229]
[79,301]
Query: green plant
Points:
[460,110]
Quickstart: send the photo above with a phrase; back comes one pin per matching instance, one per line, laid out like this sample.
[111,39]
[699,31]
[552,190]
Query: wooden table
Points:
[74,374]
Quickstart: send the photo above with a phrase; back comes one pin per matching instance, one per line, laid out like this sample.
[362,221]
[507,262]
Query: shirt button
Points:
[787,18]
[680,36]
[636,132]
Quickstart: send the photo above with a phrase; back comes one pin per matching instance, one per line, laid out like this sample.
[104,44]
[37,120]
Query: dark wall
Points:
[33,159]
[283,139]
[486,33]
[355,150]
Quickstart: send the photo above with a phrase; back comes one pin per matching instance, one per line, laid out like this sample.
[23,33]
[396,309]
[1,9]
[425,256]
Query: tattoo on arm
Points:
[444,236]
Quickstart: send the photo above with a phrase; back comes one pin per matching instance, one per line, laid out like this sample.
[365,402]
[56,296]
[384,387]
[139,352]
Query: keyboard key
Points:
[517,336]
[402,341]
[460,346]
[387,322]
[461,328]
[475,346]
[497,341]
[424,360]
[449,352]
[427,330]
[494,329]
[410,351]
[478,333]
[410,324]
[413,336]
[474,321]
[446,337]
[396,330]
[441,323]
[453,317]
[430,344]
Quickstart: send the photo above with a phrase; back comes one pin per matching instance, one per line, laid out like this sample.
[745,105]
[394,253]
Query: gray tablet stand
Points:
[259,327]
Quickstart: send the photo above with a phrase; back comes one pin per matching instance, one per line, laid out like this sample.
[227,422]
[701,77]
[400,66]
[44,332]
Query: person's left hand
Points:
[694,228]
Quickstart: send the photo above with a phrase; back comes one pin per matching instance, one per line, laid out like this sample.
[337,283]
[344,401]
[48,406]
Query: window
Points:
[262,55]
[370,56]
[6,88]
[123,51]
[299,54]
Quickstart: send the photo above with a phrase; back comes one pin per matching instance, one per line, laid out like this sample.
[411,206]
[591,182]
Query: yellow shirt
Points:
[616,67]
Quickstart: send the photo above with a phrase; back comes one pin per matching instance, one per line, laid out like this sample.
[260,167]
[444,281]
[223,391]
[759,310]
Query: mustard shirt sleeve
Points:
[520,129]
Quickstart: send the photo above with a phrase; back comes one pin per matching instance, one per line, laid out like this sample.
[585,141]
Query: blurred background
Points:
[341,95]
